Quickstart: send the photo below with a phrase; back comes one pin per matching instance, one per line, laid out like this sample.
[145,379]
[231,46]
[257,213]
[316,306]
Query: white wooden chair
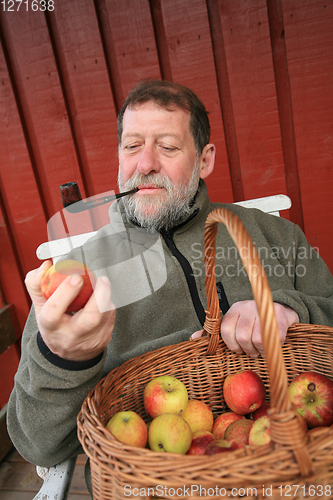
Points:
[57,479]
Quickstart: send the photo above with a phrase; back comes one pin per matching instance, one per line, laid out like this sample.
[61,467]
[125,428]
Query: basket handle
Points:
[285,429]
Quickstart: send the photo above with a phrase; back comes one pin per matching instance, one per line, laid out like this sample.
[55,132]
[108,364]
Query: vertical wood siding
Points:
[263,68]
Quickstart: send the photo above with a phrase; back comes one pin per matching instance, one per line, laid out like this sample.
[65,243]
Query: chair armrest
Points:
[57,480]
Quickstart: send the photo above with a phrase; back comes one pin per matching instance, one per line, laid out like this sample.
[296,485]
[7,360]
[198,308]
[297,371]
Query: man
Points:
[164,150]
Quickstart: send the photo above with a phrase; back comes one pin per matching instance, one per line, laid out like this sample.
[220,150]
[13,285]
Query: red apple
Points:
[312,395]
[59,271]
[239,431]
[200,441]
[260,432]
[129,428]
[198,415]
[171,433]
[244,392]
[262,410]
[222,446]
[165,394]
[222,421]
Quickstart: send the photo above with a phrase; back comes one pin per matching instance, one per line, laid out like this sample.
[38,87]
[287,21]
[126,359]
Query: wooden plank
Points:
[282,84]
[9,352]
[5,442]
[43,109]
[22,208]
[9,361]
[128,38]
[309,42]
[80,56]
[18,477]
[250,68]
[188,39]
[11,279]
[8,331]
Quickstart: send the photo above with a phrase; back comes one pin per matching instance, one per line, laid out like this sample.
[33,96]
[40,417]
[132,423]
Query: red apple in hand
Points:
[244,392]
[312,395]
[222,421]
[239,430]
[165,394]
[200,441]
[59,271]
[198,415]
[129,428]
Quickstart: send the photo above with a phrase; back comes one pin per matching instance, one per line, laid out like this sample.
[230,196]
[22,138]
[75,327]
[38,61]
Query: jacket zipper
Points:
[188,272]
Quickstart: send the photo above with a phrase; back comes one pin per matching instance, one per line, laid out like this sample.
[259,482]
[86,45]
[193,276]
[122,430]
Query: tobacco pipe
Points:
[72,199]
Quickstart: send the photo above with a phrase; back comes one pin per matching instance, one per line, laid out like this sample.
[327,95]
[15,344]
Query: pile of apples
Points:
[187,426]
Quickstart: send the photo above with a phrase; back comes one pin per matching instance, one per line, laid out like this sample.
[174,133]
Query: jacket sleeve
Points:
[312,296]
[45,401]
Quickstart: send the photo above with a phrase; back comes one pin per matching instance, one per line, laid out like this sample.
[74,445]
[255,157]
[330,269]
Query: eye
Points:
[131,147]
[168,149]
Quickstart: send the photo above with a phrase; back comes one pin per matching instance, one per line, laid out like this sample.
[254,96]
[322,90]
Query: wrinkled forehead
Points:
[151,113]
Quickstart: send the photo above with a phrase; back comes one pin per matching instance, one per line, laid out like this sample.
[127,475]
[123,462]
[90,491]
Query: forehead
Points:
[150,114]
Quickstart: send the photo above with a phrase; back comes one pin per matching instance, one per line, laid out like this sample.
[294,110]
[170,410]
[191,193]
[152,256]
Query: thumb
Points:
[33,284]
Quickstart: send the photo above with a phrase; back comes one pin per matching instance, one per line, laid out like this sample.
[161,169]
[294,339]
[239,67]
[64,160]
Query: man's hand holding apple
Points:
[77,337]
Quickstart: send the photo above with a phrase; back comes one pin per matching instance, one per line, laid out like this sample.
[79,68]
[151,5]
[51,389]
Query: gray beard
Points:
[168,212]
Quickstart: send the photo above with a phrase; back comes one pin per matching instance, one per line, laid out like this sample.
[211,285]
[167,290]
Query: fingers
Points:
[51,315]
[85,334]
[240,328]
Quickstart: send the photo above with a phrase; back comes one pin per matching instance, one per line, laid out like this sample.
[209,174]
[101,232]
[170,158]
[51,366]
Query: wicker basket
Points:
[292,465]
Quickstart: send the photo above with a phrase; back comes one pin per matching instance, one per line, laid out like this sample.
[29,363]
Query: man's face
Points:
[157,154]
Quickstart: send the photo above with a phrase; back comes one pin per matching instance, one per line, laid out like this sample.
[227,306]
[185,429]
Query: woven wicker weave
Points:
[292,465]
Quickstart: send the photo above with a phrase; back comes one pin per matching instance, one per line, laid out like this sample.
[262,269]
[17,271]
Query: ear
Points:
[207,160]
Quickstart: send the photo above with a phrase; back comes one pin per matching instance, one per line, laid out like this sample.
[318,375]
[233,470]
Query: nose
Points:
[148,161]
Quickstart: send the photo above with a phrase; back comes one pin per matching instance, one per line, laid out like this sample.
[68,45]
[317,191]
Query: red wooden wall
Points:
[263,68]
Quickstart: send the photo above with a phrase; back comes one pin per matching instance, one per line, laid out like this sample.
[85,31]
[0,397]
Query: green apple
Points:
[129,428]
[165,394]
[260,432]
[169,433]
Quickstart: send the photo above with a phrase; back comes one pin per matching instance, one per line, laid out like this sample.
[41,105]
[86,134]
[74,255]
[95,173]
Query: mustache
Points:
[156,180]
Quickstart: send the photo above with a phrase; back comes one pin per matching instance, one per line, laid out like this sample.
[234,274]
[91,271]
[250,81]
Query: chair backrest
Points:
[57,248]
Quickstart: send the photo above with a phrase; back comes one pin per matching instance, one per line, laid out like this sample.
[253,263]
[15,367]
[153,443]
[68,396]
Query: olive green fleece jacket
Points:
[157,284]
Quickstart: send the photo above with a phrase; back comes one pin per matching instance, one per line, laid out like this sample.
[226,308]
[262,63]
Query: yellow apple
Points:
[129,428]
[169,433]
[260,431]
[165,394]
[198,415]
